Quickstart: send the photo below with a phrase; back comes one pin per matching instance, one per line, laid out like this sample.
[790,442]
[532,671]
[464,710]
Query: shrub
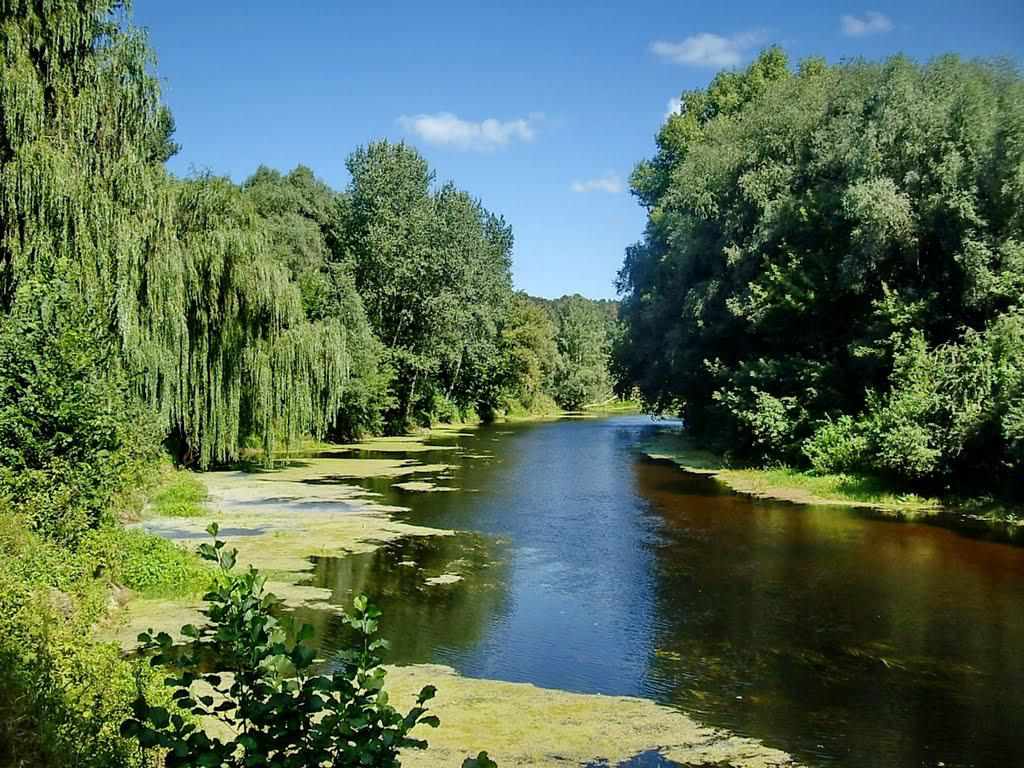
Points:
[281,712]
[837,447]
[148,564]
[444,409]
[73,440]
[62,694]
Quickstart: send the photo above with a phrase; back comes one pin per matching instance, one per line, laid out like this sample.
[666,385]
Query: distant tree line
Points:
[832,272]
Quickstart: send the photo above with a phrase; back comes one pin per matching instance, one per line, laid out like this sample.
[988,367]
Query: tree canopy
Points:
[833,268]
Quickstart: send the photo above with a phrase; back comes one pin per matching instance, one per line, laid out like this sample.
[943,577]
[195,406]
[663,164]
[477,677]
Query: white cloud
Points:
[674,106]
[447,129]
[610,183]
[872,23]
[707,49]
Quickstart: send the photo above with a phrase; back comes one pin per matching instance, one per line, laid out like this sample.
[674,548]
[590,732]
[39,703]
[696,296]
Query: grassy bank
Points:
[788,484]
[63,692]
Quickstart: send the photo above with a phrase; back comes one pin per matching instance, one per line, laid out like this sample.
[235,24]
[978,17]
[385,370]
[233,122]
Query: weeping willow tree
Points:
[210,330]
[223,345]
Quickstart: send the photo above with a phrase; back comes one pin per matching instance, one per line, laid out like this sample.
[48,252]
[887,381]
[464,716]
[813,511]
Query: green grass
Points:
[150,565]
[786,483]
[181,494]
[799,485]
[615,405]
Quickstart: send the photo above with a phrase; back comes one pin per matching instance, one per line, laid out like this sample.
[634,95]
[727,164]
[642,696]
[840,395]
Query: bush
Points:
[838,446]
[62,694]
[148,564]
[281,712]
[444,410]
[73,440]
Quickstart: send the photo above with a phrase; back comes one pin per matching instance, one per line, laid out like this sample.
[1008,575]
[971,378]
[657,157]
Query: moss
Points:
[523,725]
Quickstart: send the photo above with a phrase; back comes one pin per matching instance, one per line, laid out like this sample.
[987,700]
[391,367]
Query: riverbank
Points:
[785,484]
[802,487]
[280,520]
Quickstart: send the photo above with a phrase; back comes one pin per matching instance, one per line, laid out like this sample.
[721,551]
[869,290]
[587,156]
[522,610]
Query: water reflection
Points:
[866,642]
[427,617]
[841,638]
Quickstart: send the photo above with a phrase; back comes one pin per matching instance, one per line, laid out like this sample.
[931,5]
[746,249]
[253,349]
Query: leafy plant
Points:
[146,563]
[264,689]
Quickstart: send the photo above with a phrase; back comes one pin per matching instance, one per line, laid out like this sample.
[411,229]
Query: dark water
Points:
[842,639]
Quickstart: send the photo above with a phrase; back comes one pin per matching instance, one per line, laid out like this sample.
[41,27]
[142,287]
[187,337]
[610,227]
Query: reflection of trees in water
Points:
[823,631]
[418,617]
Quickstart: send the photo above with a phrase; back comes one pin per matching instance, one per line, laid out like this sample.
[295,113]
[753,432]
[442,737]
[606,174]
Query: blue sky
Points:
[540,109]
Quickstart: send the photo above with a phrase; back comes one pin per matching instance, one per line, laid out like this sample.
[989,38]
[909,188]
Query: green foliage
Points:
[837,446]
[433,269]
[840,242]
[143,562]
[72,438]
[529,351]
[264,688]
[582,330]
[62,694]
[179,494]
[301,213]
[208,326]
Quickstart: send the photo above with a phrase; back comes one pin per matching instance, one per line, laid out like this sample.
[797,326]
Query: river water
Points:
[841,638]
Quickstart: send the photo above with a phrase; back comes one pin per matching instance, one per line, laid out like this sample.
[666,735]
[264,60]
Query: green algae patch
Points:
[278,521]
[523,725]
[140,615]
[444,578]
[786,484]
[339,469]
[422,486]
[405,445]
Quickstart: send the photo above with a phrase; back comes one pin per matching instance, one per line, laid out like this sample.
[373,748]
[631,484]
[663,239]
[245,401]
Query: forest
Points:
[832,271]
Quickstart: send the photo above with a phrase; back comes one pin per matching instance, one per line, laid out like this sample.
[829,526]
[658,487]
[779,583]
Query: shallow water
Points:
[840,638]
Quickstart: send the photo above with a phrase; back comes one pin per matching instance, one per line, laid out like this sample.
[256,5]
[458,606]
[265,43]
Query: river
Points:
[839,637]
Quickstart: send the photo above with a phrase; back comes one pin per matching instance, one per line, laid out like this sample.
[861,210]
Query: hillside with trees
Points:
[832,271]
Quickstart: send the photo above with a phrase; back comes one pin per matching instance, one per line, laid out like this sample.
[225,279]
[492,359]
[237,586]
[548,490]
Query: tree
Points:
[300,213]
[809,230]
[583,330]
[433,269]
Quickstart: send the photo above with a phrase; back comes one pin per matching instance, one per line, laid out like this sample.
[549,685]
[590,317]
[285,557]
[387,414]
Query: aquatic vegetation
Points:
[422,486]
[525,725]
[276,521]
[443,579]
